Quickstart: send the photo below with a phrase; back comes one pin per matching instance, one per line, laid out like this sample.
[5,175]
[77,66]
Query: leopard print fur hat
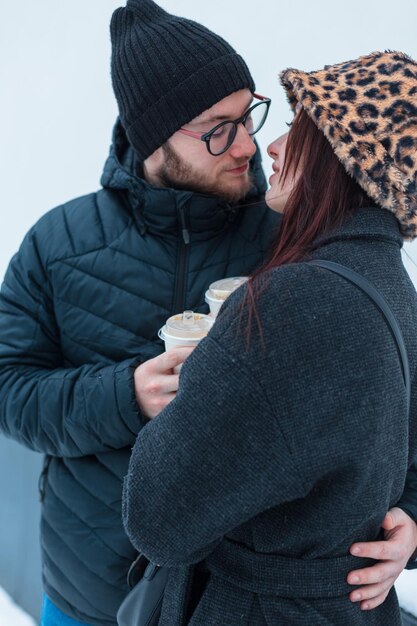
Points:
[367,109]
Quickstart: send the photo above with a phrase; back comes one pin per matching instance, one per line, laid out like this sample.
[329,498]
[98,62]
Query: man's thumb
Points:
[389,522]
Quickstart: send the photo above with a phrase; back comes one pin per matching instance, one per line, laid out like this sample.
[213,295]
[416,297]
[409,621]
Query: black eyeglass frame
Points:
[240,120]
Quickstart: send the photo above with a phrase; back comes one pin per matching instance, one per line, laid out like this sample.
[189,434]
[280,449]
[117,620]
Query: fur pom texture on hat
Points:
[367,109]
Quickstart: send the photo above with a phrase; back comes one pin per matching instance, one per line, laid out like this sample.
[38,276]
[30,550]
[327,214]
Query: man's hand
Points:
[156,383]
[400,542]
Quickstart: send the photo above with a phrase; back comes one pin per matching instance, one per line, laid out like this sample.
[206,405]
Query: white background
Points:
[57,110]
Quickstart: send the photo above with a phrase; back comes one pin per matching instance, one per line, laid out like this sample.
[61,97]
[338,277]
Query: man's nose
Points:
[243,144]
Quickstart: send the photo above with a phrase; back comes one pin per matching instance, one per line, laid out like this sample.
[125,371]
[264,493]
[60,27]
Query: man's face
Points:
[184,162]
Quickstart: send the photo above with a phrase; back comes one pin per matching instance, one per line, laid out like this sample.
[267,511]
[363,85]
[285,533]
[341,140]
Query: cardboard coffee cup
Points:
[185,329]
[220,290]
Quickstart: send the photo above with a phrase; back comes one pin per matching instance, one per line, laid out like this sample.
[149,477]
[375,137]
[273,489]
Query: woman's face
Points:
[279,191]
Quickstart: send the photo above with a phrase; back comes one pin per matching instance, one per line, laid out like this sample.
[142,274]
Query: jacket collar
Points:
[162,210]
[370,223]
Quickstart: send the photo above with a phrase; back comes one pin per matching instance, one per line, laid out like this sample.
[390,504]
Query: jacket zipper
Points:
[184,241]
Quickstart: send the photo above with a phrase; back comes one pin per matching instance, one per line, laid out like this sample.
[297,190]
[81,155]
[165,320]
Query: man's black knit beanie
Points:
[166,70]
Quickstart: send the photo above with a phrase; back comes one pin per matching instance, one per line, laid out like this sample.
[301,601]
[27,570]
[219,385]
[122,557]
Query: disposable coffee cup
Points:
[185,329]
[220,290]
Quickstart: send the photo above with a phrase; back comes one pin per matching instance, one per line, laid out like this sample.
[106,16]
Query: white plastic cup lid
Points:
[188,325]
[221,289]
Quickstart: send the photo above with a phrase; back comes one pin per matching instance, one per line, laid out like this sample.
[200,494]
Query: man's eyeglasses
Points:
[220,138]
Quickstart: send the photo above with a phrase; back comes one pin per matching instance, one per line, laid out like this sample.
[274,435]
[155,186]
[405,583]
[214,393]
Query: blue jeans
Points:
[52,616]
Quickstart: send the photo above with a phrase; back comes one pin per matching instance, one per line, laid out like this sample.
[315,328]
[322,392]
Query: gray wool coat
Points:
[275,457]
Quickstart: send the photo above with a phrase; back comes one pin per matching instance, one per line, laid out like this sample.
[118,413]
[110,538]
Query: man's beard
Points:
[177,174]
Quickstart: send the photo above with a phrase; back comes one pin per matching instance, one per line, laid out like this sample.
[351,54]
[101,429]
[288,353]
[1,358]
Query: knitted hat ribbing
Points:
[367,109]
[166,70]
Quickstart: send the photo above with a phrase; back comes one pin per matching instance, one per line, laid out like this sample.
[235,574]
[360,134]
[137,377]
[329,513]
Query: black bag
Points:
[142,605]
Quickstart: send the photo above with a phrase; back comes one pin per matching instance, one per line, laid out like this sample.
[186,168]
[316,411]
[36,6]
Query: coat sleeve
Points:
[198,470]
[50,408]
[408,500]
[408,503]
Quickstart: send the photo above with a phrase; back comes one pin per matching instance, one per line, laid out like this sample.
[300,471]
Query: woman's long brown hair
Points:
[323,197]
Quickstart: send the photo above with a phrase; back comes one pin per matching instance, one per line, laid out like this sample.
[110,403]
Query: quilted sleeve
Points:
[44,405]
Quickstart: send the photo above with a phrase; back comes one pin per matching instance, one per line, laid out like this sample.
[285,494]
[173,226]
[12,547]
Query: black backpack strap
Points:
[382,305]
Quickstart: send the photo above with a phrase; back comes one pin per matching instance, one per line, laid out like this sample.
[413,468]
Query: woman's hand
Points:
[400,542]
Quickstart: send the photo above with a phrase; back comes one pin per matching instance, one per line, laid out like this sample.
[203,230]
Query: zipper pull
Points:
[185,232]
[186,236]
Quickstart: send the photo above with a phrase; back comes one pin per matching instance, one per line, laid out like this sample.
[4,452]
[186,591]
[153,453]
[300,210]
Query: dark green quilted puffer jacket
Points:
[80,306]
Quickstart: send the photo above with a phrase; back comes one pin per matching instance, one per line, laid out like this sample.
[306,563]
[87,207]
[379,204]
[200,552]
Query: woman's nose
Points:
[273,149]
[277,146]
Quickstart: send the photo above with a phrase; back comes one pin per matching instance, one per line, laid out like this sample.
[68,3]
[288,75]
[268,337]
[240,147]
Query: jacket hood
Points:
[157,208]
